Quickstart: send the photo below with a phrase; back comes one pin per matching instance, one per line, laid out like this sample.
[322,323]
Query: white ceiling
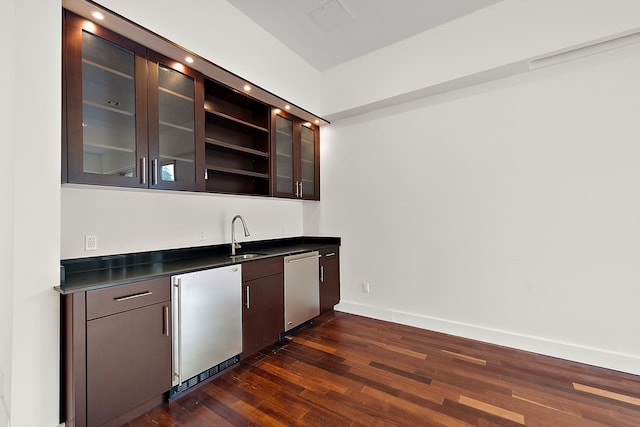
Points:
[326,33]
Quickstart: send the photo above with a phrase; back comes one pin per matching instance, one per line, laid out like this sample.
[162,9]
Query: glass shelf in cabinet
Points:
[174,93]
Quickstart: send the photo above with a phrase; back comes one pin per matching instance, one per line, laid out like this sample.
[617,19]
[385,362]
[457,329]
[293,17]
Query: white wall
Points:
[7,76]
[502,34]
[506,212]
[31,210]
[129,220]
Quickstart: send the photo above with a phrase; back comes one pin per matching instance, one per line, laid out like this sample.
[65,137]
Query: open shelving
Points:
[236,142]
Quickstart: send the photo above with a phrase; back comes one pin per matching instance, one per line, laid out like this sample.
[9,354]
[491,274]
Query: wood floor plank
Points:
[417,411]
[608,394]
[492,409]
[346,370]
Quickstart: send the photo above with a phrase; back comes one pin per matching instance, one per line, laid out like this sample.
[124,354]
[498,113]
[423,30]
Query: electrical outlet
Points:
[90,242]
[366,288]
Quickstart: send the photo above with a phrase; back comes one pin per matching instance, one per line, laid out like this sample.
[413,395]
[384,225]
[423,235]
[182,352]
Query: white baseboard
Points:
[568,351]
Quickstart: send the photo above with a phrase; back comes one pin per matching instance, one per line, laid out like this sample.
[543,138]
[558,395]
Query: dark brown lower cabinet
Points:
[263,304]
[116,352]
[329,278]
[128,361]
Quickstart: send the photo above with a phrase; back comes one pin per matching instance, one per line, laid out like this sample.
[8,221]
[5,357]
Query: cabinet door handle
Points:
[297,189]
[300,188]
[330,254]
[165,317]
[322,273]
[154,162]
[128,297]
[143,170]
[248,292]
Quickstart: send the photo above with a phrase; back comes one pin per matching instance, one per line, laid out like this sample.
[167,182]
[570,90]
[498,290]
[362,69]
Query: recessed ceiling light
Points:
[189,59]
[287,107]
[247,88]
[97,15]
[307,124]
[317,122]
[89,26]
[277,111]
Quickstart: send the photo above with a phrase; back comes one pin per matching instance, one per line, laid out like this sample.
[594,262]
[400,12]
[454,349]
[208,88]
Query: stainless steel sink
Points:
[242,257]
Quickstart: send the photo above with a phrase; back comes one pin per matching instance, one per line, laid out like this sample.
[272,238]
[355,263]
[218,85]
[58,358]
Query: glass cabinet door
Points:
[174,138]
[307,162]
[106,123]
[108,108]
[295,161]
[284,167]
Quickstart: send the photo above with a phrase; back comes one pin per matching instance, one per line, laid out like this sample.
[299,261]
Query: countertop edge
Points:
[91,273]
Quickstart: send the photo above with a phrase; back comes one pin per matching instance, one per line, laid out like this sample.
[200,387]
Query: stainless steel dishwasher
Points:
[207,324]
[301,288]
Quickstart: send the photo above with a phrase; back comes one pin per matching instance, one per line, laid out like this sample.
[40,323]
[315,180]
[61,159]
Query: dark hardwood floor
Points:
[346,370]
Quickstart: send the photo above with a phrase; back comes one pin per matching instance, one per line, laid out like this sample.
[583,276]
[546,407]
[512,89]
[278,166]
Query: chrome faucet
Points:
[234,244]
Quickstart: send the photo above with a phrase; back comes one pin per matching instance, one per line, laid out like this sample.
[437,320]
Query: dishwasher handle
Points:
[302,259]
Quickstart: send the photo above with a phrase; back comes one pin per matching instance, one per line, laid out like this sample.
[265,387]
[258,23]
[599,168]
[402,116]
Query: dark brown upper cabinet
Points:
[176,131]
[295,163]
[236,141]
[133,118]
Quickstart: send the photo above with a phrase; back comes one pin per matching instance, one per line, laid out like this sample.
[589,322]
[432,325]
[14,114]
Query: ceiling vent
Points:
[331,15]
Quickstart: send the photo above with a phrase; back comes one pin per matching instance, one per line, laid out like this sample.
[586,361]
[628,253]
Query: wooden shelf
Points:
[237,171]
[237,121]
[234,147]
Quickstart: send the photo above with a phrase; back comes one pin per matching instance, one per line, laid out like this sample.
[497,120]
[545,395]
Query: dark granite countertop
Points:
[84,274]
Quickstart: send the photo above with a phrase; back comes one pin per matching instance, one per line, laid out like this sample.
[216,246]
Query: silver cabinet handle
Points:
[301,259]
[143,170]
[154,164]
[247,292]
[301,189]
[128,297]
[330,254]
[322,273]
[177,332]
[165,316]
[297,189]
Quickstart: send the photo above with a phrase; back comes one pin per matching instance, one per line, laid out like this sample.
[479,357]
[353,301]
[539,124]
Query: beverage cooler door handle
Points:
[177,332]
